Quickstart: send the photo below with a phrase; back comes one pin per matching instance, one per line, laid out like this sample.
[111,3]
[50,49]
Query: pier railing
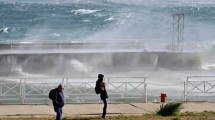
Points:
[200,88]
[120,90]
[67,45]
[77,89]
[174,91]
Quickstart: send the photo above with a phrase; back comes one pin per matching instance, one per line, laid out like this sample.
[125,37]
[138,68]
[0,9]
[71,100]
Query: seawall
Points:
[60,62]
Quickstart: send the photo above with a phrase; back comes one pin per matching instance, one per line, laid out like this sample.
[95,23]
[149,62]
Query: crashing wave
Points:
[78,66]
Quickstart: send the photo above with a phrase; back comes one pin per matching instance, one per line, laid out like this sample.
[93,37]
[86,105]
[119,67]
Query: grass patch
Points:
[207,115]
[169,109]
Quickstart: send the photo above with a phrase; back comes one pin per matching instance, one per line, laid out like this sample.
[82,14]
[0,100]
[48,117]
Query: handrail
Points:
[24,89]
[30,88]
[78,41]
[199,86]
[66,44]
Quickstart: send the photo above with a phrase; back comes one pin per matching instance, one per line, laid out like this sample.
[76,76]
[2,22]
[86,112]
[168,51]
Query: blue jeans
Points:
[59,113]
[104,108]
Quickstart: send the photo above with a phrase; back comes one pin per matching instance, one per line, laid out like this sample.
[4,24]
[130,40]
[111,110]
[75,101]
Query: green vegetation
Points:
[206,115]
[169,109]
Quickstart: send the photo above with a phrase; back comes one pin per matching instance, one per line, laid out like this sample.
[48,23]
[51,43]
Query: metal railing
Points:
[200,88]
[77,89]
[66,44]
[120,89]
[174,91]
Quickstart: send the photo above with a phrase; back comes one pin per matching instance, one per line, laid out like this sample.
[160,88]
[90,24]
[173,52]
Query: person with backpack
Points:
[57,97]
[100,89]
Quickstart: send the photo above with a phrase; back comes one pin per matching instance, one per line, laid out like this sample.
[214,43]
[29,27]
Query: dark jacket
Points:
[103,93]
[58,102]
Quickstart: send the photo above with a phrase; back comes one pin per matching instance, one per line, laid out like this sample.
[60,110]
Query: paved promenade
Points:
[74,110]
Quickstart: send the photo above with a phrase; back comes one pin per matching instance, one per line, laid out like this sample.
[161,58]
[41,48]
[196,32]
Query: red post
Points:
[163,97]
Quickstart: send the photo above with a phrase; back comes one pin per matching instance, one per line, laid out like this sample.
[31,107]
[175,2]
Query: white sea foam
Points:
[4,30]
[208,67]
[19,71]
[81,67]
[83,11]
[109,19]
[55,35]
[86,20]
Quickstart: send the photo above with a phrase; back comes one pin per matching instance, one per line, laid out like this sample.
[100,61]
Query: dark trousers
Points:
[104,108]
[59,113]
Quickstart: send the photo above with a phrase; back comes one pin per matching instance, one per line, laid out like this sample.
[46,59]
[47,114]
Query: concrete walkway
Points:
[72,110]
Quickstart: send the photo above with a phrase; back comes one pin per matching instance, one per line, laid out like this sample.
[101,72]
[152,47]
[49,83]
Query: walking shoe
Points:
[104,117]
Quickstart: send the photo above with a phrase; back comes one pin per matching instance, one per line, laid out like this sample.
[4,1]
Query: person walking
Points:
[57,97]
[103,93]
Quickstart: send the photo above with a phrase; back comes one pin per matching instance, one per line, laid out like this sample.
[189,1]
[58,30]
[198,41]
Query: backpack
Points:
[97,89]
[52,94]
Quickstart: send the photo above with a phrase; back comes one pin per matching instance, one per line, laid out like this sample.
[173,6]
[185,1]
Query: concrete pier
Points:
[57,58]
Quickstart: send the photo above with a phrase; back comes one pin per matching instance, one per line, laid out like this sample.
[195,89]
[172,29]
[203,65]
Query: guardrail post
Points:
[185,94]
[145,93]
[21,94]
[85,88]
[107,83]
[24,85]
[204,86]
[186,89]
[126,88]
[20,90]
[65,90]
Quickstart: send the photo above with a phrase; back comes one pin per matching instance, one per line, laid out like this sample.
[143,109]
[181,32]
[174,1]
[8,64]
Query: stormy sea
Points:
[149,22]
